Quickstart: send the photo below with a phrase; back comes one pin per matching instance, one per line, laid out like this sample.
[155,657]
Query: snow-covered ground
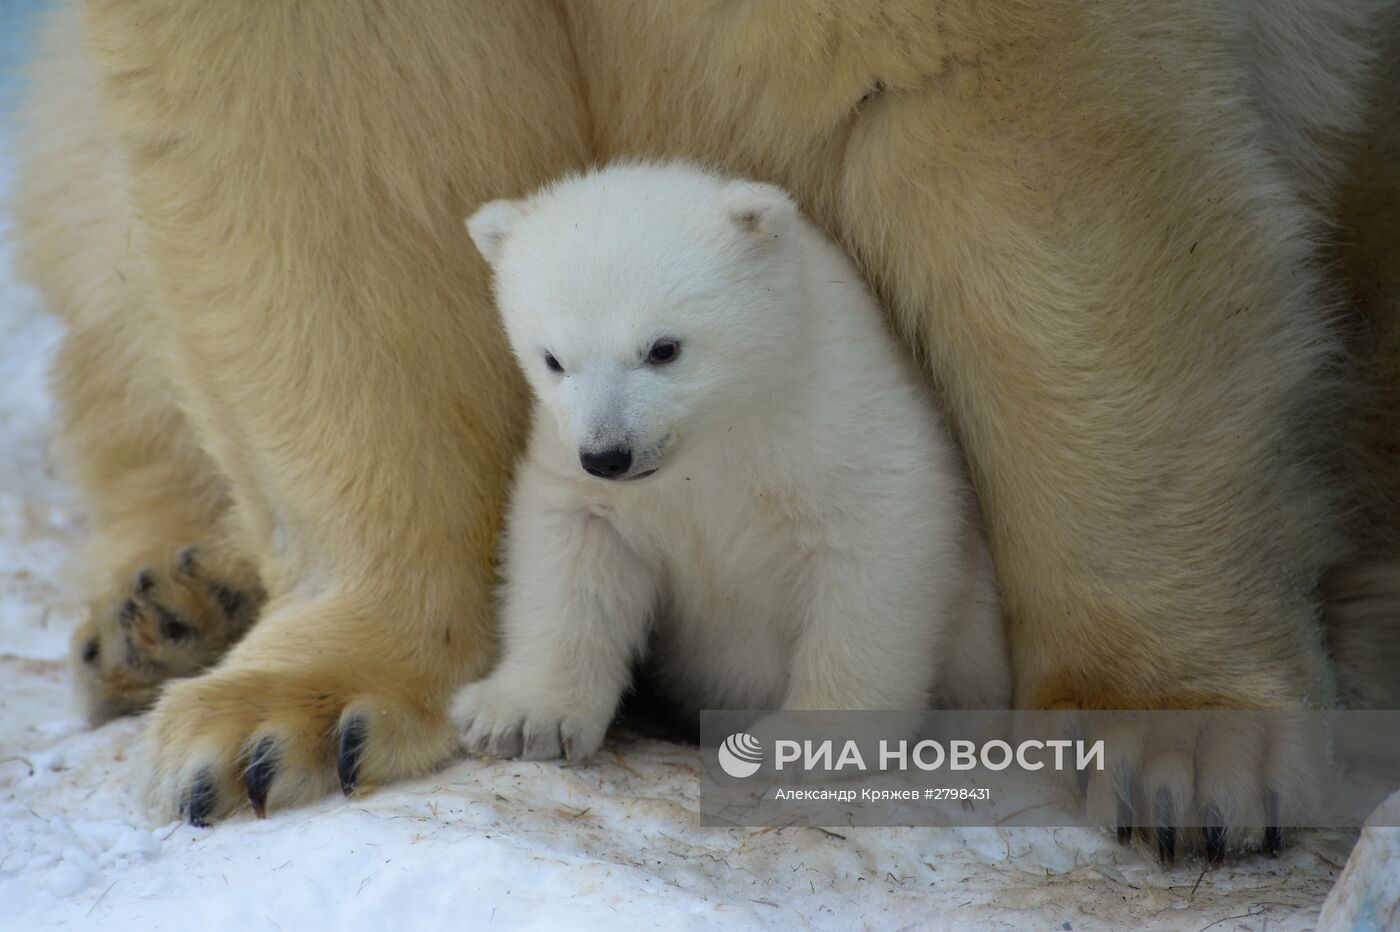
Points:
[615,843]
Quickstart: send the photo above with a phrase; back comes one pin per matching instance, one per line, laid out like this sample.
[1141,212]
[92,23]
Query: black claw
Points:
[1273,834]
[144,582]
[1075,732]
[1215,845]
[1123,790]
[128,612]
[1166,845]
[198,802]
[187,560]
[262,767]
[1081,775]
[352,742]
[1215,835]
[90,651]
[1164,814]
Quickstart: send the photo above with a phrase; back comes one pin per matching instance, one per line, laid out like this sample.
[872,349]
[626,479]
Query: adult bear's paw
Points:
[171,621]
[279,736]
[1212,782]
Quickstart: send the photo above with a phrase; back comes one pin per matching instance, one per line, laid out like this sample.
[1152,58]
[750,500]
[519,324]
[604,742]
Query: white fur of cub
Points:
[776,516]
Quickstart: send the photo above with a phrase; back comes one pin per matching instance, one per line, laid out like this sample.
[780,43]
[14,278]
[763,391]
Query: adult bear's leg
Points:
[303,171]
[1085,229]
[1123,293]
[152,493]
[1363,607]
[1079,215]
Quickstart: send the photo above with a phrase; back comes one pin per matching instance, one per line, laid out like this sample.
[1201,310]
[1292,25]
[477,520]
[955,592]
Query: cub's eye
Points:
[662,352]
[552,363]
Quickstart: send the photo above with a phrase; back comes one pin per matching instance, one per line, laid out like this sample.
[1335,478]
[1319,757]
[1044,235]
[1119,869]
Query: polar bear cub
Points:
[734,473]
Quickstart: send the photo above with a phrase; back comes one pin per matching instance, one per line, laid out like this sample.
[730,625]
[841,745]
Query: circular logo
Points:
[740,755]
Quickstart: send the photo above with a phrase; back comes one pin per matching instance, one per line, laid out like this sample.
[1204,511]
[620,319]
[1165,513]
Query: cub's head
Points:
[647,305]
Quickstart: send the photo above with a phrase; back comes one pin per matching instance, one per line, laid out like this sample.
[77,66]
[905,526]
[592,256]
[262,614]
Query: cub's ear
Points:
[491,225]
[763,212]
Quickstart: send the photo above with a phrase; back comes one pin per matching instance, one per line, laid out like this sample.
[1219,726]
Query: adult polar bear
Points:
[1098,223]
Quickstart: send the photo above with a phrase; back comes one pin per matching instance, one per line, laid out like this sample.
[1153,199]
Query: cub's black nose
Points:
[606,464]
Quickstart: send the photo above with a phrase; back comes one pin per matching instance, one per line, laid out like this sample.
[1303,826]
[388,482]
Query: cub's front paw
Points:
[501,717]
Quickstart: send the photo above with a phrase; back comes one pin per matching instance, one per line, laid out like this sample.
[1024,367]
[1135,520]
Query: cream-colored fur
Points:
[155,491]
[1099,224]
[328,327]
[1363,607]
